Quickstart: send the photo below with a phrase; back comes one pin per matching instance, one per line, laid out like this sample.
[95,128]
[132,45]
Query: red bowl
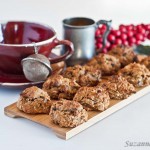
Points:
[17,41]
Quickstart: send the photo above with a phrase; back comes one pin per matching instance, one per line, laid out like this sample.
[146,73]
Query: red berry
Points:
[147,27]
[118,42]
[122,28]
[99,40]
[107,44]
[132,40]
[130,33]
[111,38]
[130,27]
[139,37]
[126,43]
[104,50]
[103,31]
[116,33]
[123,36]
[99,45]
[138,42]
[131,44]
[104,27]
[112,46]
[139,26]
[98,32]
[148,36]
[109,48]
[143,25]
[99,28]
[144,38]
[142,31]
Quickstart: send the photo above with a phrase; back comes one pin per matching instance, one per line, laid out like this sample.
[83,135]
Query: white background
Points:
[129,124]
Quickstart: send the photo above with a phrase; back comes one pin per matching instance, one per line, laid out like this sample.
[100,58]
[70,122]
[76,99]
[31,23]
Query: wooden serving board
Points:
[94,116]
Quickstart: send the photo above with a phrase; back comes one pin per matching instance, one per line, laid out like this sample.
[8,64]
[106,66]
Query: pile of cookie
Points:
[68,97]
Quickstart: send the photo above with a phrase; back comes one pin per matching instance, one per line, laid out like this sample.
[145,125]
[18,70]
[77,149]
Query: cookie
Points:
[33,100]
[136,74]
[67,113]
[106,63]
[118,87]
[92,98]
[146,62]
[125,54]
[59,87]
[83,75]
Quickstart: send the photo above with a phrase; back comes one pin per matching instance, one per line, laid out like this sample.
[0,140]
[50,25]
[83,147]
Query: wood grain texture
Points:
[94,116]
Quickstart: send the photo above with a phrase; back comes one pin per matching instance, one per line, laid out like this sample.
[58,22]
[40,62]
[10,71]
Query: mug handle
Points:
[67,54]
[108,27]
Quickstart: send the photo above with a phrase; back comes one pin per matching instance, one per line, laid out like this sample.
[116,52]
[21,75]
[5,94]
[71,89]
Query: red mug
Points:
[17,41]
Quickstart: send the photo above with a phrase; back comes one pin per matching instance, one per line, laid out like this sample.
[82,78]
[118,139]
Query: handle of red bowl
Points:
[68,53]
